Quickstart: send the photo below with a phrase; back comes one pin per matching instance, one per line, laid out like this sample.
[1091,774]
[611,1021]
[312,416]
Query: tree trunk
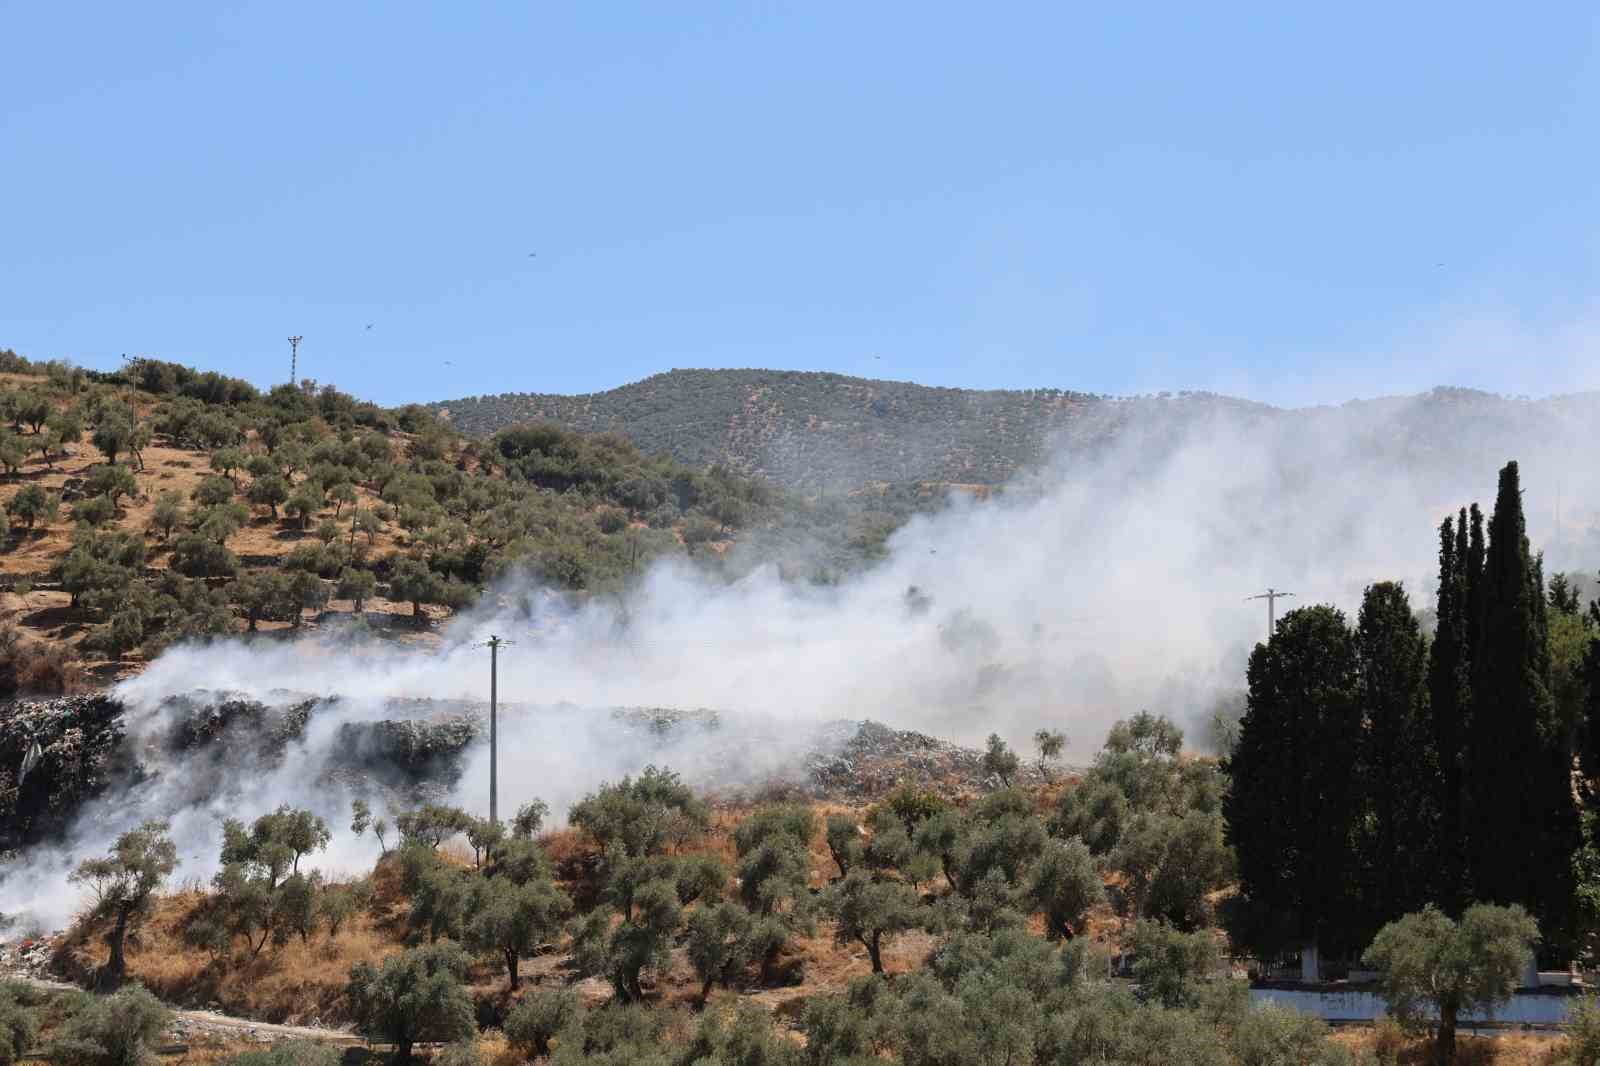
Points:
[511,966]
[1310,964]
[402,1050]
[875,951]
[1445,1044]
[705,989]
[117,965]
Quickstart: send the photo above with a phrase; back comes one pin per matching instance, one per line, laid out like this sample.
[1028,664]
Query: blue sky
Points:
[1292,205]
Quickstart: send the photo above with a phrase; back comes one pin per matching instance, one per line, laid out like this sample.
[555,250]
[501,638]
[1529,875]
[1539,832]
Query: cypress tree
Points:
[1398,769]
[1290,811]
[1523,828]
[1447,712]
[1472,584]
[1589,730]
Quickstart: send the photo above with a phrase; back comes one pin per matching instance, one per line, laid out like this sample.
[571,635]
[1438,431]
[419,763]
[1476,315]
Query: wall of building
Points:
[1360,1005]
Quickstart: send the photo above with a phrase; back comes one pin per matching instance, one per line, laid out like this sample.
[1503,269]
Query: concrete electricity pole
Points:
[494,644]
[1272,596]
[294,356]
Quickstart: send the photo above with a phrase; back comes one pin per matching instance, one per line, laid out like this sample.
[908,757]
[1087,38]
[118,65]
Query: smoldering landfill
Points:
[199,757]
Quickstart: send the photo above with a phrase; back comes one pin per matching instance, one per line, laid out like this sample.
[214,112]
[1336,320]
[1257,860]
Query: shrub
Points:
[1169,964]
[1271,1035]
[114,1031]
[1583,1033]
[18,1023]
[542,1014]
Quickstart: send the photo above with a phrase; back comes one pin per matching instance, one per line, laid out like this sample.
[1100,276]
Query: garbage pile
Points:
[27,956]
[72,748]
[861,760]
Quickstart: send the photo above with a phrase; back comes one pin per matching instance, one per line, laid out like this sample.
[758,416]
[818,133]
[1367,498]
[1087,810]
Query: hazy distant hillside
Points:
[812,429]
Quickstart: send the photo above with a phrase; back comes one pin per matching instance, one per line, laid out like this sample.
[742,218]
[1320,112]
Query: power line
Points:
[1272,596]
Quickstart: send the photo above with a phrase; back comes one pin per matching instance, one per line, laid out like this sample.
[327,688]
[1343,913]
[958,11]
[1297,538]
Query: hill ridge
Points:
[820,430]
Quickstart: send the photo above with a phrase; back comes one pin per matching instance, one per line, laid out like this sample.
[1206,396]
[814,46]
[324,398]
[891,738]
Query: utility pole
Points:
[1272,596]
[294,356]
[494,644]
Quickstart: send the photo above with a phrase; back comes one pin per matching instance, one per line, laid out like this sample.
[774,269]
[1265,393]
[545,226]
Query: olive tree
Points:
[870,911]
[1065,884]
[844,841]
[511,920]
[413,996]
[1427,961]
[124,882]
[719,936]
[1049,742]
[644,815]
[999,760]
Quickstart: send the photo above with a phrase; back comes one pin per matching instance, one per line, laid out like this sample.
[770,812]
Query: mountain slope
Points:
[827,431]
[816,430]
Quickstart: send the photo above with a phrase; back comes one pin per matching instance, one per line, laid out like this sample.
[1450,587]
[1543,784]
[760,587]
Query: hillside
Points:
[805,430]
[159,503]
[818,431]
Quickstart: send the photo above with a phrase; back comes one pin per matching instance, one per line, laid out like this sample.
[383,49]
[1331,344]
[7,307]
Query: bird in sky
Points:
[533,255]
[369,325]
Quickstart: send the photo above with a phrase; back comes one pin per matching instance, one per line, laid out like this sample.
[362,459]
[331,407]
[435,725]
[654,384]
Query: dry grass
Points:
[1389,1045]
[297,984]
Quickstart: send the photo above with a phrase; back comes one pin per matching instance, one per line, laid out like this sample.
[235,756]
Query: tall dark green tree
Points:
[1291,811]
[1398,770]
[1449,706]
[1590,731]
[1522,829]
[1472,575]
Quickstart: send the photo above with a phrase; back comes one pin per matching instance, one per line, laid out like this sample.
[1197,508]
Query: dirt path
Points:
[188,1022]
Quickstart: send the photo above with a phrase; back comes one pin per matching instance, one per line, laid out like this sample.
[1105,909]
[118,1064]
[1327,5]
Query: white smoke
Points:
[1082,594]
